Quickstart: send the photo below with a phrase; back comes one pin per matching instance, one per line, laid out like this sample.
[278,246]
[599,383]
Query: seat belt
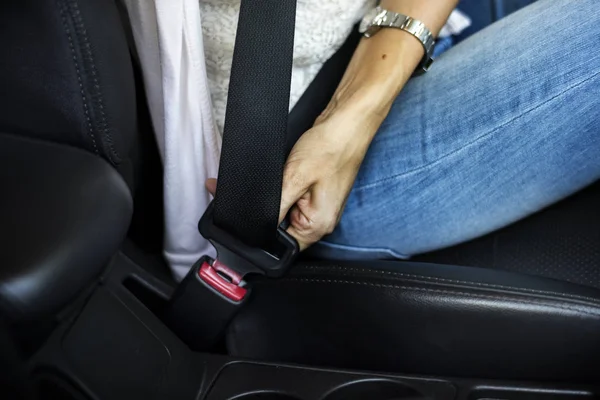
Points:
[254,148]
[242,221]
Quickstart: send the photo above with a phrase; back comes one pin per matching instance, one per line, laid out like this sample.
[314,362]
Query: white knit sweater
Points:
[322,26]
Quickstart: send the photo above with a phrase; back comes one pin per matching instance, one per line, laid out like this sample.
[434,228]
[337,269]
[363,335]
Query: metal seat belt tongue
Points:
[242,221]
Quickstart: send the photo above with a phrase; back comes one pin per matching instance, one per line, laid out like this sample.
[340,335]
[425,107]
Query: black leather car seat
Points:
[530,311]
[68,122]
[68,82]
[67,76]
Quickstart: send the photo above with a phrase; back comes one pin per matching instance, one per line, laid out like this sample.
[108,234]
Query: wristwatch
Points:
[379,18]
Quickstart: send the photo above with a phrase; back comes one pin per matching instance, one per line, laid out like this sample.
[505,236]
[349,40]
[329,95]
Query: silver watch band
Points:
[408,24]
[418,30]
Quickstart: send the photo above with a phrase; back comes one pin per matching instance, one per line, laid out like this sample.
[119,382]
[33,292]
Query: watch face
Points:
[370,20]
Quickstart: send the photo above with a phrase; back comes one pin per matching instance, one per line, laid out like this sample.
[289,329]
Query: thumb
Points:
[288,199]
[292,191]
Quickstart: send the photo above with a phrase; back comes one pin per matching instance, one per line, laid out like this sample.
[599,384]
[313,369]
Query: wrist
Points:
[351,129]
[360,112]
[380,68]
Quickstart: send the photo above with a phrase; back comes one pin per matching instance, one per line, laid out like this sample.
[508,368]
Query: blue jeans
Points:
[504,124]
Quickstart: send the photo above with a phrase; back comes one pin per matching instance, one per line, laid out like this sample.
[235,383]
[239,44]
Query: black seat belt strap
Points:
[254,140]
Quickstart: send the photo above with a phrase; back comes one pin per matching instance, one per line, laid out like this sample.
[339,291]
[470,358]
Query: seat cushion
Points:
[425,319]
[561,242]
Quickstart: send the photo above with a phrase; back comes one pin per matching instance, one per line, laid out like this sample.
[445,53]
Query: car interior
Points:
[89,309]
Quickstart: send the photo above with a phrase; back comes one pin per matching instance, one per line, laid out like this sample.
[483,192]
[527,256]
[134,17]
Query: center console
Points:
[117,344]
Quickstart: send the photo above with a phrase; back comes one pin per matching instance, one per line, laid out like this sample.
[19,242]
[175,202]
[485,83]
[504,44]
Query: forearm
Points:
[382,64]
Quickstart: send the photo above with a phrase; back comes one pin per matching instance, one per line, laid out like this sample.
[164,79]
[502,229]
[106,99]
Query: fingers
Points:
[295,184]
[295,200]
[315,215]
[211,185]
[326,203]
[301,228]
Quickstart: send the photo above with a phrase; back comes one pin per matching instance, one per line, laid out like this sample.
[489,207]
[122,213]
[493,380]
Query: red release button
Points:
[231,290]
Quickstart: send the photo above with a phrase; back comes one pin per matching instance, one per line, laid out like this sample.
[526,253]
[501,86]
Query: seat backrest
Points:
[66,75]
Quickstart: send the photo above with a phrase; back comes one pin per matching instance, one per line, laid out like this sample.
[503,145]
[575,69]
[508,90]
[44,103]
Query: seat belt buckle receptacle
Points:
[214,290]
[222,279]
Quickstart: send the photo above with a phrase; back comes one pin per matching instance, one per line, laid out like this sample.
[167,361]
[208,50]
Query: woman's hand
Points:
[320,172]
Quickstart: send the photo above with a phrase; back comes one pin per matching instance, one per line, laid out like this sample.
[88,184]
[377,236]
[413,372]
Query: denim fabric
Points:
[504,124]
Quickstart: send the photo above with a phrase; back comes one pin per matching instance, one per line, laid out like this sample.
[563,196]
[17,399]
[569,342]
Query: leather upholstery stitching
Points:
[62,8]
[476,284]
[440,291]
[103,125]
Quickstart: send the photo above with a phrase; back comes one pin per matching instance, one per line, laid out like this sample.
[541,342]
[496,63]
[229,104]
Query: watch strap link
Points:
[418,30]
